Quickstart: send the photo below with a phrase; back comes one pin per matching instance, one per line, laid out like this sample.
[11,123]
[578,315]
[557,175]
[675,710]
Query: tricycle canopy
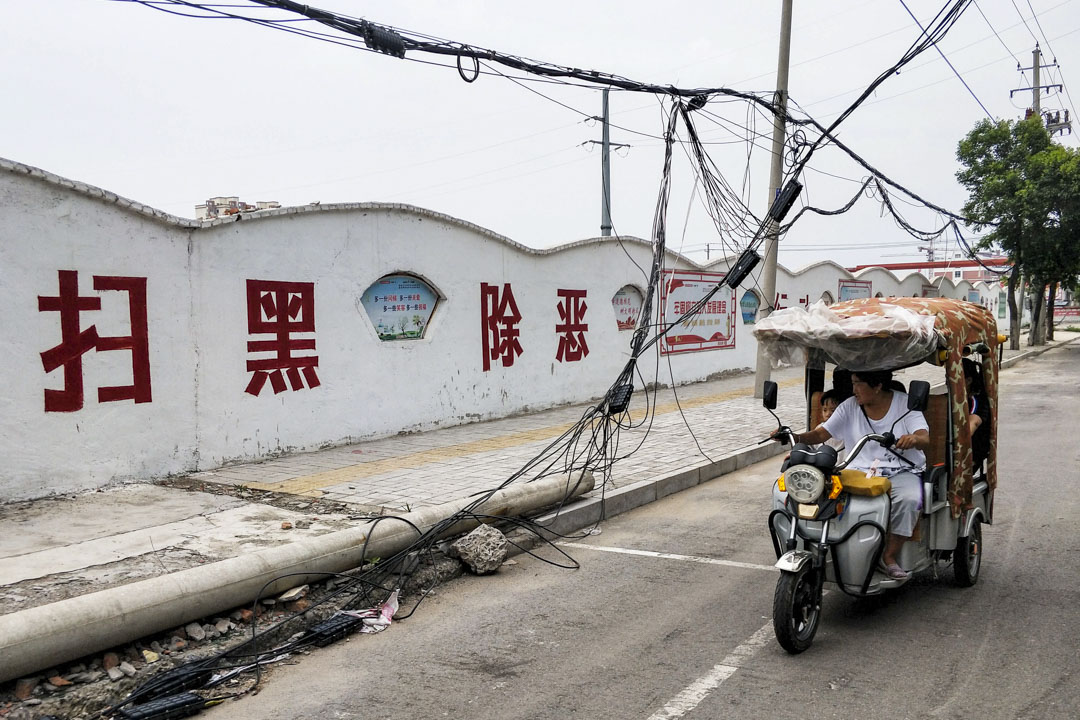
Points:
[895,332]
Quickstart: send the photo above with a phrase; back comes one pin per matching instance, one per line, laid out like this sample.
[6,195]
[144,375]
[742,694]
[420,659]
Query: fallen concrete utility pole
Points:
[48,635]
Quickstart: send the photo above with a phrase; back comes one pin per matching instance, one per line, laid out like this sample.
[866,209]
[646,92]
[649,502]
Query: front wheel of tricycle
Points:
[967,558]
[797,609]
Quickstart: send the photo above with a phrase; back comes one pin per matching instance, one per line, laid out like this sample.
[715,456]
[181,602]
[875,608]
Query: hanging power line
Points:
[947,62]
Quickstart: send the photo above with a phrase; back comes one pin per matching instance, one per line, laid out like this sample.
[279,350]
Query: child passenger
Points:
[830,400]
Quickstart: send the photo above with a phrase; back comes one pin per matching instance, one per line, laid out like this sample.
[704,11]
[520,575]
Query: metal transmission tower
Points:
[605,167]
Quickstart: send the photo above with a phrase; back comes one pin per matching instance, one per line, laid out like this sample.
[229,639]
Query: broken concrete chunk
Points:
[127,668]
[223,626]
[115,673]
[195,632]
[59,681]
[483,550]
[295,594]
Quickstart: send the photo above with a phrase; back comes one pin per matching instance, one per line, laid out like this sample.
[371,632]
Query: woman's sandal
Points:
[896,572]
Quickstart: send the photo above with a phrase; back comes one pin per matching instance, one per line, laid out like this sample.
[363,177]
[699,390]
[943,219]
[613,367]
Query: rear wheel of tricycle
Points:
[967,558]
[797,609]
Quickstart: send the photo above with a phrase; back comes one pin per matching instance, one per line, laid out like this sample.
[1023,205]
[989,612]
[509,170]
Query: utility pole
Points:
[605,168]
[768,274]
[1053,123]
[1035,82]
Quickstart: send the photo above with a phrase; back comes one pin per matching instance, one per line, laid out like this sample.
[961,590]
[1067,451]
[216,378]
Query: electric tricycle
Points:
[829,523]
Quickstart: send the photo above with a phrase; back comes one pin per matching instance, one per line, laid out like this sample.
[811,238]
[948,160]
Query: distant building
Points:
[985,269]
[230,205]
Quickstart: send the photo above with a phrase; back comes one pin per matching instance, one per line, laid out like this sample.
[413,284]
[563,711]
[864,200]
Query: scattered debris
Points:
[294,594]
[483,550]
[25,687]
[195,632]
[286,525]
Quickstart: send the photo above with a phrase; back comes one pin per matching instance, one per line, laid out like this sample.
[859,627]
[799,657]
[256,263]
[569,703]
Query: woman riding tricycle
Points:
[907,494]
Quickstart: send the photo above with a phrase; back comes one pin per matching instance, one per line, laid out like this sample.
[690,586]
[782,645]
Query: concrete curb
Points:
[591,510]
[1036,351]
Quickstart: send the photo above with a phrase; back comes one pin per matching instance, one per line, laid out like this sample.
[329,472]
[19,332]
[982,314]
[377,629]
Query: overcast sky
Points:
[169,110]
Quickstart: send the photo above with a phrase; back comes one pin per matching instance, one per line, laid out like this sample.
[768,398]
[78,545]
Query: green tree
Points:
[1000,174]
[1056,200]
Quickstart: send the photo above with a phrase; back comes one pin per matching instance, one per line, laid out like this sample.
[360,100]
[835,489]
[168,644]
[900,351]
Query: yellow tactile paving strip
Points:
[311,485]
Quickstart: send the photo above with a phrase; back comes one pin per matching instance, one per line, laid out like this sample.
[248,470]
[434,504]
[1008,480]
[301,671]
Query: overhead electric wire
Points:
[949,63]
[1024,20]
[994,30]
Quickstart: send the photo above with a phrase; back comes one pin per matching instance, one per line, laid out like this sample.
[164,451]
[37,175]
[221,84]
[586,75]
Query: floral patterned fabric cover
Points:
[873,323]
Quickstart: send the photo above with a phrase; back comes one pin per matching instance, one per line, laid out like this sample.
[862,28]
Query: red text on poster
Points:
[572,326]
[76,341]
[499,318]
[712,327]
[281,309]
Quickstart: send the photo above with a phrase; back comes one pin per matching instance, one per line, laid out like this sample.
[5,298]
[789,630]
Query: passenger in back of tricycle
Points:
[876,407]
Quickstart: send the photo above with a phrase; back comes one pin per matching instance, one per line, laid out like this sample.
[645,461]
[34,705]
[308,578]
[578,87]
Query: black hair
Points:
[874,378]
[833,395]
[973,371]
[841,380]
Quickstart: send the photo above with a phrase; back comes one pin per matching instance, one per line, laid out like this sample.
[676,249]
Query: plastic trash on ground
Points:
[376,619]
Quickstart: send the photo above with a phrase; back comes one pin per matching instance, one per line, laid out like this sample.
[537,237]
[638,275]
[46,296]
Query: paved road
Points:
[669,615]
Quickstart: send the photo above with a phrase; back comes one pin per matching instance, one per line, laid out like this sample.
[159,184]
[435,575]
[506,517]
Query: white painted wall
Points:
[200,415]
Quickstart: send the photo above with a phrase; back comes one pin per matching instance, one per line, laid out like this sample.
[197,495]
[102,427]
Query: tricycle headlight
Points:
[804,483]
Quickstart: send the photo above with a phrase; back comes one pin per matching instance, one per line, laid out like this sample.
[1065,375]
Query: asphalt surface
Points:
[669,614]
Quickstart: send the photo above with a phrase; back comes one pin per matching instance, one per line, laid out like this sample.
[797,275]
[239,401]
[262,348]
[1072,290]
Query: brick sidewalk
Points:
[429,468]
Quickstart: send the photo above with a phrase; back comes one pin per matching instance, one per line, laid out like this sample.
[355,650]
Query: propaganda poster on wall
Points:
[627,305]
[399,306]
[749,307]
[853,289]
[713,328]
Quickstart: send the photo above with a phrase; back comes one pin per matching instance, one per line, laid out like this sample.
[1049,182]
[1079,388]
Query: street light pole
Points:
[768,275]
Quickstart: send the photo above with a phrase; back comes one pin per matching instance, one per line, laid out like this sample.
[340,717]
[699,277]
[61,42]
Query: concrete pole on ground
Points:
[768,274]
[53,634]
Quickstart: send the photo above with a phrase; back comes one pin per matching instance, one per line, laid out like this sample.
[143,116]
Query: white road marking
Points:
[669,556]
[698,690]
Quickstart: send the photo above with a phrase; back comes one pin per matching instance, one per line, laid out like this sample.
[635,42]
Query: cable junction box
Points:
[173,706]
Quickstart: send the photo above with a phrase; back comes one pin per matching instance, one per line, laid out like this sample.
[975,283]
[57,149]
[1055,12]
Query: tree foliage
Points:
[1025,191]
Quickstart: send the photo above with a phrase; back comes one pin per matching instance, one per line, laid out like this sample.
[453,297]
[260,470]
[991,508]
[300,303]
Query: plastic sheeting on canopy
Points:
[891,336]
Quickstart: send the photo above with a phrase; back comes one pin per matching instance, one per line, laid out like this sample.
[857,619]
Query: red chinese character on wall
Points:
[572,329]
[778,305]
[499,317]
[76,342]
[281,309]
